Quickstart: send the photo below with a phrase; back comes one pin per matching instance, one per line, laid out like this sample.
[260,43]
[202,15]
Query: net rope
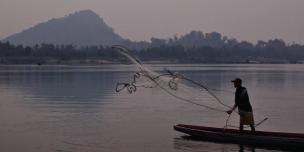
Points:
[169,82]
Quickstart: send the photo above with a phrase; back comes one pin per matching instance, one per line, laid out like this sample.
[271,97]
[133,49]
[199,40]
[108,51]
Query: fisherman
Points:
[243,104]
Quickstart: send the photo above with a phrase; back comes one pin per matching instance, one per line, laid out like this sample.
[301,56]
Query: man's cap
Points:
[237,80]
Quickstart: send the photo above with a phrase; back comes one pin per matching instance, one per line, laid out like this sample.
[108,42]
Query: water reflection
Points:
[250,148]
[187,143]
[61,86]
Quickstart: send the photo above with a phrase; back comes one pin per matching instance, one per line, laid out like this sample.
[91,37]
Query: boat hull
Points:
[259,138]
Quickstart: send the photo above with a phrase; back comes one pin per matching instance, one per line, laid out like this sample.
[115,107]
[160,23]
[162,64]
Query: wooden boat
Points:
[280,140]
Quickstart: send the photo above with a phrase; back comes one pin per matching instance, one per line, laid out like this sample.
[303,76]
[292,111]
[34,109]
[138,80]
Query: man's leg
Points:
[241,127]
[252,128]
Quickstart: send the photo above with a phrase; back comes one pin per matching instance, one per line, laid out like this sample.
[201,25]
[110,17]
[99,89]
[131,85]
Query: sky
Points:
[249,20]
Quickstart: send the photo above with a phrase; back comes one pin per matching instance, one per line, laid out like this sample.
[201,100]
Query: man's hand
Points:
[229,112]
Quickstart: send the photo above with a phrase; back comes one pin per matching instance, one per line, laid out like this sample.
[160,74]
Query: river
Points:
[75,108]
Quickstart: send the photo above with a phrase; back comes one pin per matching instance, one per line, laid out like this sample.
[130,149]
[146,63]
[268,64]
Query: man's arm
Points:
[233,108]
[244,92]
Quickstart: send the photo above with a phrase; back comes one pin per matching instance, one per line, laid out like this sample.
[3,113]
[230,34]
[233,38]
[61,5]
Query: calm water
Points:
[75,108]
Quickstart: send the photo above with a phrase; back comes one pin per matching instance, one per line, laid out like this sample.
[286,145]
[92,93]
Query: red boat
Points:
[258,138]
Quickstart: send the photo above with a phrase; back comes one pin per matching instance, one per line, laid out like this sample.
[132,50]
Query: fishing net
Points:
[173,83]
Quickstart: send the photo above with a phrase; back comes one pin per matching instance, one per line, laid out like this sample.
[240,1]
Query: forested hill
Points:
[80,28]
[84,37]
[272,51]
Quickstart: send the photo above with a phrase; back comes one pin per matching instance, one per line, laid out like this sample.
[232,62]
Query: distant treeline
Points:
[194,47]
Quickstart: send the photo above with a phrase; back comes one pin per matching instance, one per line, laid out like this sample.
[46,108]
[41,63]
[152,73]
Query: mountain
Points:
[80,28]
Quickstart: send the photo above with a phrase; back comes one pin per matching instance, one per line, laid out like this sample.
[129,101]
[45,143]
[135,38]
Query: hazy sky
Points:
[142,19]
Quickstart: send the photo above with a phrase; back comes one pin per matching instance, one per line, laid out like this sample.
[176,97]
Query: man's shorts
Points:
[246,118]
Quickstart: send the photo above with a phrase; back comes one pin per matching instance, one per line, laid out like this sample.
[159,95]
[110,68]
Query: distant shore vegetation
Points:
[194,47]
